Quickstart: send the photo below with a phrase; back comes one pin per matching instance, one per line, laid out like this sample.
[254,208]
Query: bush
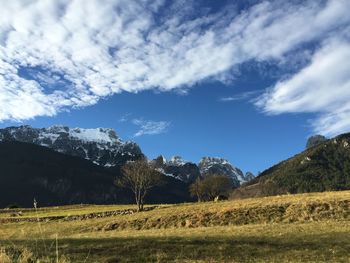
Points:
[13,206]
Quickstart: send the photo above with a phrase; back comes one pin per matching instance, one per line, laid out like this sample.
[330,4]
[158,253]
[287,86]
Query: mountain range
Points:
[189,172]
[92,157]
[62,165]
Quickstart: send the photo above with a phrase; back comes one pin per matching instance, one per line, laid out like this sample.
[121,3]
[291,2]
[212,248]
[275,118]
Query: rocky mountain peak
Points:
[249,176]
[160,161]
[101,145]
[315,140]
[99,135]
[221,166]
[188,172]
[177,160]
[207,161]
[177,167]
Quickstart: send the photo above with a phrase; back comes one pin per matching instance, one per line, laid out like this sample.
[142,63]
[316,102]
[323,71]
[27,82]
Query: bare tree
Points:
[197,189]
[139,177]
[217,185]
[211,187]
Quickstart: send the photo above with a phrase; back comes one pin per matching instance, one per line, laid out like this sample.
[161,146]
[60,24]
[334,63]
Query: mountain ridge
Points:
[324,166]
[104,147]
[188,171]
[101,146]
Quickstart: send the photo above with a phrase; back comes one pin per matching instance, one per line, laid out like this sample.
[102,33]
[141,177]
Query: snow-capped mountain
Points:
[177,161]
[188,172]
[177,168]
[220,166]
[101,145]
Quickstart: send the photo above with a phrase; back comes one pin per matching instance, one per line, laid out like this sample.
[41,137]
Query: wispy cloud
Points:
[248,95]
[322,87]
[97,49]
[125,117]
[147,127]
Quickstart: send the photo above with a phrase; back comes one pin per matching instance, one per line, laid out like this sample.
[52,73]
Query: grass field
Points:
[291,228]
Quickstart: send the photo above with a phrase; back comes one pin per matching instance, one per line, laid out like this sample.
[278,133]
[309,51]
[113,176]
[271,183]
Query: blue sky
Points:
[245,80]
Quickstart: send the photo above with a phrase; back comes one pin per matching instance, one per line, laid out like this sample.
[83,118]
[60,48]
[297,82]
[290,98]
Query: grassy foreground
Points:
[291,228]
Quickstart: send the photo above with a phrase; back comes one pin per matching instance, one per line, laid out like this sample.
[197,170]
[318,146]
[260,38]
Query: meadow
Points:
[290,228]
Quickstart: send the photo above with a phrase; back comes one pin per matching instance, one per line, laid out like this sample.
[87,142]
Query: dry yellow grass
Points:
[24,255]
[292,228]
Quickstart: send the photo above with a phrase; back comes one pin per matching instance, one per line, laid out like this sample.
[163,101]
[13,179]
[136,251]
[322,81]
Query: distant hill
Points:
[322,167]
[29,171]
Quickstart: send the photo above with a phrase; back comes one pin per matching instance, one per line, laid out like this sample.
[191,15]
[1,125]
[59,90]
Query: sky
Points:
[248,81]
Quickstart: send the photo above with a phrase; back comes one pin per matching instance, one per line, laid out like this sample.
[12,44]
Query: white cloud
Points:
[101,49]
[248,95]
[147,127]
[321,87]
[125,117]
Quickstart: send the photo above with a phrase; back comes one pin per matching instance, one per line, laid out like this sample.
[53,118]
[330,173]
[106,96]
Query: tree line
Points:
[140,177]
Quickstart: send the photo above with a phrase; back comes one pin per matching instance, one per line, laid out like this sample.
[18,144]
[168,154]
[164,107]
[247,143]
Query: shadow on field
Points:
[212,249]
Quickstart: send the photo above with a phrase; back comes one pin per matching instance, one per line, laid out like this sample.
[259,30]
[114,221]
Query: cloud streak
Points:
[248,95]
[147,127]
[85,50]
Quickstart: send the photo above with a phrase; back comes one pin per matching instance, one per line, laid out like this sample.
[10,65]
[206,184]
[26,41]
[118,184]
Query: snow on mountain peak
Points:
[101,135]
[188,172]
[100,145]
[57,128]
[164,160]
[177,160]
[216,165]
[214,160]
